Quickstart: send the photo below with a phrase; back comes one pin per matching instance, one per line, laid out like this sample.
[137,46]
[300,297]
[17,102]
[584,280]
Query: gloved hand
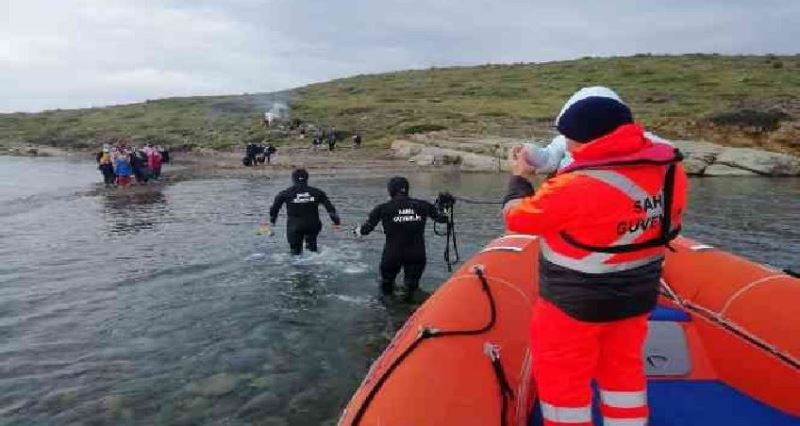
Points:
[265,229]
[357,231]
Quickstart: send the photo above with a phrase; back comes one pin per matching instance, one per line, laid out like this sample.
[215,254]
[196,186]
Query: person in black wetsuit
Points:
[403,219]
[302,208]
[139,164]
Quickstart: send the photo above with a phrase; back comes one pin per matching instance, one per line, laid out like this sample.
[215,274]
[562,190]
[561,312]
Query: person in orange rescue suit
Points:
[604,222]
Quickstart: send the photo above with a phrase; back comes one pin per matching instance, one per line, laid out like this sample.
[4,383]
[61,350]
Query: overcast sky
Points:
[71,53]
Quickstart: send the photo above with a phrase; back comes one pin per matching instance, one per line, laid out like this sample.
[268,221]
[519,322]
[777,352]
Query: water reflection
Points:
[174,311]
[132,210]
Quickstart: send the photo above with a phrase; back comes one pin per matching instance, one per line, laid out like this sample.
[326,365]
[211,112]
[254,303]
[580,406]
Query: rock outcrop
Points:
[760,162]
[724,170]
[488,155]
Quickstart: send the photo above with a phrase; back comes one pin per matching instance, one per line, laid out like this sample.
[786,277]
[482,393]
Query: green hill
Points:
[733,100]
[209,121]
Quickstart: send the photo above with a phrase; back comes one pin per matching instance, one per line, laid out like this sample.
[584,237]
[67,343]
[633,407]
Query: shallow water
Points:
[161,305]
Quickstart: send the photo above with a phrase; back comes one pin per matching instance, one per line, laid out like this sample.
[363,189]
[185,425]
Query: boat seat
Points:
[698,403]
[666,352]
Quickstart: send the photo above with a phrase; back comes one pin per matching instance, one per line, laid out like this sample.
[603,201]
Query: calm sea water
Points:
[161,304]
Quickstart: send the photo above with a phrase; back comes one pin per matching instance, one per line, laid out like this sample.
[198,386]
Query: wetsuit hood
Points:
[300,177]
[397,185]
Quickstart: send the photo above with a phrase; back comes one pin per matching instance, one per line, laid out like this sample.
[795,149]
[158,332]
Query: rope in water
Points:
[478,201]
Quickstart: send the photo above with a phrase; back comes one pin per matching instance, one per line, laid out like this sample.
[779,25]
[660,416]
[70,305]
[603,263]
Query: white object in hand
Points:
[550,158]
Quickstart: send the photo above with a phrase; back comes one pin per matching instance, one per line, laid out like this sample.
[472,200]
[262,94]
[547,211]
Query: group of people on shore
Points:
[121,164]
[331,137]
[256,154]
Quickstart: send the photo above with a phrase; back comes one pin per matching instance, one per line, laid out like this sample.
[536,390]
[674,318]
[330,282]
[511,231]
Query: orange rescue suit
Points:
[604,222]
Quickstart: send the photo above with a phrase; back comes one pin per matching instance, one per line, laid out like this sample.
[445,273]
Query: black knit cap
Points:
[397,185]
[592,118]
[300,176]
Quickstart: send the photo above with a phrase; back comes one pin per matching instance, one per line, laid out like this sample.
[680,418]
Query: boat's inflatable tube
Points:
[741,323]
[748,318]
[451,379]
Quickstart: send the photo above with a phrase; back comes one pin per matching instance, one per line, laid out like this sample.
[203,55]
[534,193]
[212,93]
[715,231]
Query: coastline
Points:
[203,163]
[425,152]
[488,154]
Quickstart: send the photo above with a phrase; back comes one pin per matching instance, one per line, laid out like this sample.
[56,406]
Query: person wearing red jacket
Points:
[604,222]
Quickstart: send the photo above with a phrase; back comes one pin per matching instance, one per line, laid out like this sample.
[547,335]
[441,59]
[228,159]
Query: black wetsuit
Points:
[302,208]
[403,219]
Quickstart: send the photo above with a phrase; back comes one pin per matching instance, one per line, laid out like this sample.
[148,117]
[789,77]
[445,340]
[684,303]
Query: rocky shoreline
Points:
[488,155]
[440,150]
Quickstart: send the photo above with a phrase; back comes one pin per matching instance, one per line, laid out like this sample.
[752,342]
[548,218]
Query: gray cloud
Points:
[79,53]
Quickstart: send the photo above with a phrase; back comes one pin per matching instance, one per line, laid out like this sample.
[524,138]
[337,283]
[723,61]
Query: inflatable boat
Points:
[723,346]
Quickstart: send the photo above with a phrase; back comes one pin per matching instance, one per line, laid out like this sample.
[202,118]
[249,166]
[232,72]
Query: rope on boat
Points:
[736,329]
[427,333]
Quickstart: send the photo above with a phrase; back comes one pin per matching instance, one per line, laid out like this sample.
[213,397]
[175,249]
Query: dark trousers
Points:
[108,174]
[412,272]
[297,236]
[141,174]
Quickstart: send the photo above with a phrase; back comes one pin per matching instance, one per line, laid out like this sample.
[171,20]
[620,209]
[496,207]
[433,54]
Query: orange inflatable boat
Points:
[723,346]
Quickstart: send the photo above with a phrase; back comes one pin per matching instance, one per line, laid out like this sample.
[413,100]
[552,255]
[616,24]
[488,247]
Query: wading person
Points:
[154,162]
[604,221]
[138,161]
[302,211]
[106,166]
[122,167]
[403,219]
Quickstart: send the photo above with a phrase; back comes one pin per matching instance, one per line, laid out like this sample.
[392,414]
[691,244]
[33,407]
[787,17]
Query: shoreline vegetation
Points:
[722,108]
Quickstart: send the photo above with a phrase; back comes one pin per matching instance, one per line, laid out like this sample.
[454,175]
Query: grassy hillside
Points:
[213,122]
[730,100]
[742,100]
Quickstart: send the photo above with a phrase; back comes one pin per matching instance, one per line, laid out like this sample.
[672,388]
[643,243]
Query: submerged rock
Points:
[216,385]
[263,403]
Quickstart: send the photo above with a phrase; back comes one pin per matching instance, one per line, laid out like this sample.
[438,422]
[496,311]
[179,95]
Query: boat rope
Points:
[744,290]
[426,333]
[450,257]
[736,329]
[506,393]
[478,201]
